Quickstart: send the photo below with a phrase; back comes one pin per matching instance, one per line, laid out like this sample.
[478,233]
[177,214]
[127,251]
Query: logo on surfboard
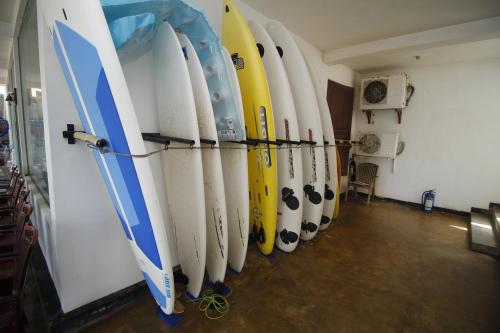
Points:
[313,157]
[265,137]
[291,171]
[239,63]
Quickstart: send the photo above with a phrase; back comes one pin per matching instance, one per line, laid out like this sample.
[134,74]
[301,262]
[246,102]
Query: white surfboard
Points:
[290,182]
[306,107]
[235,169]
[330,149]
[182,167]
[96,81]
[215,200]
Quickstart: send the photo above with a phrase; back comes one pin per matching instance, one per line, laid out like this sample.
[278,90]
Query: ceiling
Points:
[470,51]
[332,24]
[8,14]
[368,35]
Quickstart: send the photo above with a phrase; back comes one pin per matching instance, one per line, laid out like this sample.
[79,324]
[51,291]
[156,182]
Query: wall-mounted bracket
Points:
[166,140]
[71,135]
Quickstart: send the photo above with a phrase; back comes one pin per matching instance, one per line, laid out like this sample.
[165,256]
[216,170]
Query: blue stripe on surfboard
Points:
[93,86]
[160,298]
[87,128]
[105,101]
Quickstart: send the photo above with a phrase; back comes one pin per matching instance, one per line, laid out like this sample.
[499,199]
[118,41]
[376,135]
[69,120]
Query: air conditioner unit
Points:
[381,144]
[384,92]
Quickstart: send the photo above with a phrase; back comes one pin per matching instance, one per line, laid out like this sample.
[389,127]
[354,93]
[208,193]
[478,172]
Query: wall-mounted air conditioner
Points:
[385,92]
[381,144]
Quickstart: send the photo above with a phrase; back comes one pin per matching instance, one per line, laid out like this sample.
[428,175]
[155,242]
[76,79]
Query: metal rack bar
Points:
[208,141]
[291,142]
[166,140]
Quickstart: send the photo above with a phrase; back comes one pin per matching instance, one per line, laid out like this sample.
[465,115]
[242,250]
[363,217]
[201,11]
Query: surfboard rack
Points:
[312,143]
[290,142]
[208,141]
[71,135]
[166,140]
[256,142]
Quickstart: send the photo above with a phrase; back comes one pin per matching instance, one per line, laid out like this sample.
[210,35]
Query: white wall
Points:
[451,132]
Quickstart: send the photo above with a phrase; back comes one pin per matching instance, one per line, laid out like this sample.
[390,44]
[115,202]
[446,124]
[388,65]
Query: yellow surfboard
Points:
[336,210]
[262,171]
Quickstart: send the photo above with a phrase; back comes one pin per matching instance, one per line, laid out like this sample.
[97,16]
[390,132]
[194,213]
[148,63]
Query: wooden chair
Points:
[13,269]
[9,200]
[5,155]
[10,234]
[5,179]
[8,215]
[366,173]
[8,185]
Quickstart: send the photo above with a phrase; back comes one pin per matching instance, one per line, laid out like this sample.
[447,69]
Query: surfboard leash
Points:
[213,305]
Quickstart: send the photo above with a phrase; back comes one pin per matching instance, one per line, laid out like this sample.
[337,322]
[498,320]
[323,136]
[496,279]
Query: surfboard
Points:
[330,149]
[306,107]
[215,200]
[133,24]
[235,170]
[262,172]
[182,167]
[93,73]
[289,160]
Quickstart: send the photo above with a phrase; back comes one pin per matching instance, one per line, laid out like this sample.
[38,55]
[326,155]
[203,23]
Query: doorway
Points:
[340,100]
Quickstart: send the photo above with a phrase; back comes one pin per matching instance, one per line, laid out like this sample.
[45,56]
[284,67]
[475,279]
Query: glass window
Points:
[11,115]
[31,93]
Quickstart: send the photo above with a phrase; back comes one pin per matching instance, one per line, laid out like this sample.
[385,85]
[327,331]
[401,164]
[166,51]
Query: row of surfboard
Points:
[161,69]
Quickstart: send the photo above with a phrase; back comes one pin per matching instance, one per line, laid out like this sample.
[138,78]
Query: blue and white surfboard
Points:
[93,73]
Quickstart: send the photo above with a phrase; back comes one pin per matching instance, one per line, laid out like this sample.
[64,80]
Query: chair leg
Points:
[346,193]
[369,196]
